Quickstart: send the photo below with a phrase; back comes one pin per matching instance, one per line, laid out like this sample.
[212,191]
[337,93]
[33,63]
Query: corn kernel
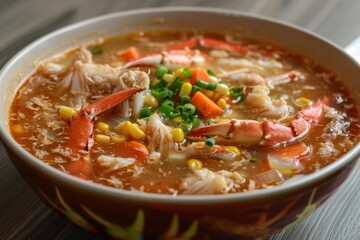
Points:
[208,93]
[179,73]
[177,134]
[221,103]
[151,101]
[302,102]
[67,113]
[233,149]
[169,78]
[135,132]
[18,129]
[177,120]
[154,82]
[185,89]
[102,126]
[101,138]
[194,164]
[123,128]
[216,96]
[222,120]
[222,89]
[118,138]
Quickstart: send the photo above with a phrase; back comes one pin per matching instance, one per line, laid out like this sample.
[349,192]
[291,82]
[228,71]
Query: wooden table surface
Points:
[24,216]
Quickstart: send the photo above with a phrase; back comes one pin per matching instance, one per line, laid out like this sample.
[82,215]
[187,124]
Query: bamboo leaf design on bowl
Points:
[68,211]
[132,232]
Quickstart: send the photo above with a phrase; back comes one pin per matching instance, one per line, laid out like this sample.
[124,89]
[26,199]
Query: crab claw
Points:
[152,61]
[81,126]
[266,133]
[246,132]
[172,60]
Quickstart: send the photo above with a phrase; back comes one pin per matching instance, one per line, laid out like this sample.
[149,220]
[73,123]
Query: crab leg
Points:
[265,133]
[180,54]
[81,126]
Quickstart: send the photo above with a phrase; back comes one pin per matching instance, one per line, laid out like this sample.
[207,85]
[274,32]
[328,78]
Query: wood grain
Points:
[24,216]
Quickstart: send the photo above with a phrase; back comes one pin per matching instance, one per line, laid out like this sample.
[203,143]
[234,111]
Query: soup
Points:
[184,113]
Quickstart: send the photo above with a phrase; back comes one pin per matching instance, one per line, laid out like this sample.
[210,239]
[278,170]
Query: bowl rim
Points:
[260,194]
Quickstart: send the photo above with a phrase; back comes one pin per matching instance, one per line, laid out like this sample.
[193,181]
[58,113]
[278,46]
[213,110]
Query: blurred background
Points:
[24,216]
[22,21]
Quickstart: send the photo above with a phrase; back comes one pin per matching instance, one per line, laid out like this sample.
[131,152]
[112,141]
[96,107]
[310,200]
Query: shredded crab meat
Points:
[114,163]
[327,149]
[337,126]
[205,181]
[113,181]
[131,79]
[159,136]
[259,100]
[198,149]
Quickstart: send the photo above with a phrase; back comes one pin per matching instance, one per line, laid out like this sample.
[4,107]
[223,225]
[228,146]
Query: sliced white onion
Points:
[284,164]
[269,177]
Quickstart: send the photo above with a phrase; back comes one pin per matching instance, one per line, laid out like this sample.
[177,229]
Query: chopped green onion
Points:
[174,115]
[165,110]
[235,92]
[161,84]
[238,99]
[185,99]
[189,108]
[160,71]
[180,108]
[196,122]
[169,103]
[187,72]
[96,50]
[201,84]
[160,93]
[210,142]
[176,85]
[211,86]
[185,116]
[185,126]
[253,159]
[170,93]
[211,73]
[145,112]
[212,122]
[195,89]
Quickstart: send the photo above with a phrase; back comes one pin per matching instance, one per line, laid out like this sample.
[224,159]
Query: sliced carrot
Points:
[134,149]
[128,55]
[205,105]
[198,74]
[292,151]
